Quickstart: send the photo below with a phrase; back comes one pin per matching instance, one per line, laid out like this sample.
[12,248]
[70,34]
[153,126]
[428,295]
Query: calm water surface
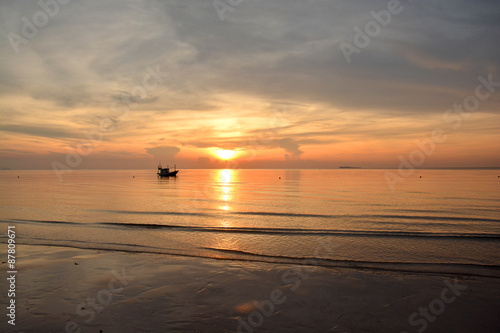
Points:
[446,221]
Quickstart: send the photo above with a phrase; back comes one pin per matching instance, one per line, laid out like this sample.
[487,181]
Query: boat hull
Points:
[168,174]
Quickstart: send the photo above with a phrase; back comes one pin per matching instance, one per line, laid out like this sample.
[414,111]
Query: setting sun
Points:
[225,154]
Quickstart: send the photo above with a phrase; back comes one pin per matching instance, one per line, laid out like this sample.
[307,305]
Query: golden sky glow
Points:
[114,85]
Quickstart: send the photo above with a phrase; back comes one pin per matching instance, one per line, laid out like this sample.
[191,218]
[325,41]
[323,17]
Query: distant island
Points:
[349,167]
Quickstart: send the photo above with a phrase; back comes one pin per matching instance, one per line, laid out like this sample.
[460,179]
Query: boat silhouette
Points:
[165,172]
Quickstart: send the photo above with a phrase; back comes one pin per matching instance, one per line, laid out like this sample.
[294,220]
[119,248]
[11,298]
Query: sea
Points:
[433,221]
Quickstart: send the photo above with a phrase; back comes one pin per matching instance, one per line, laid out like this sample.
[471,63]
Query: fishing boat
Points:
[165,172]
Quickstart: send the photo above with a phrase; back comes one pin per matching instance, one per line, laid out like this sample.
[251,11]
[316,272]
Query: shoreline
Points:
[450,269]
[82,290]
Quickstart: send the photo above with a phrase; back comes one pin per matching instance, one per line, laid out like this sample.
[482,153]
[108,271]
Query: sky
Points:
[249,84]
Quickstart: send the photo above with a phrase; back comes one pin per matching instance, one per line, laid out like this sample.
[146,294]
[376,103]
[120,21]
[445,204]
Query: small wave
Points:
[410,267]
[310,232]
[374,216]
[310,215]
[45,221]
[288,214]
[155,213]
[430,217]
[279,231]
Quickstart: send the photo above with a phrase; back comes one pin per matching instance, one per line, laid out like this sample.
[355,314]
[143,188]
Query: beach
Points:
[80,290]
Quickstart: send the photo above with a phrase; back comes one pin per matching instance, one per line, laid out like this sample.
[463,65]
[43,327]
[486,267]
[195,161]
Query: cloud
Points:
[129,99]
[42,131]
[291,147]
[165,154]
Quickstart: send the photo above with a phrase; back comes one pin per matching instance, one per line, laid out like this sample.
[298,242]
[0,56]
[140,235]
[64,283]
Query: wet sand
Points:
[73,290]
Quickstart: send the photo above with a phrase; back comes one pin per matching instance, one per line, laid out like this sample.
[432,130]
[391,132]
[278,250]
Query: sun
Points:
[225,154]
